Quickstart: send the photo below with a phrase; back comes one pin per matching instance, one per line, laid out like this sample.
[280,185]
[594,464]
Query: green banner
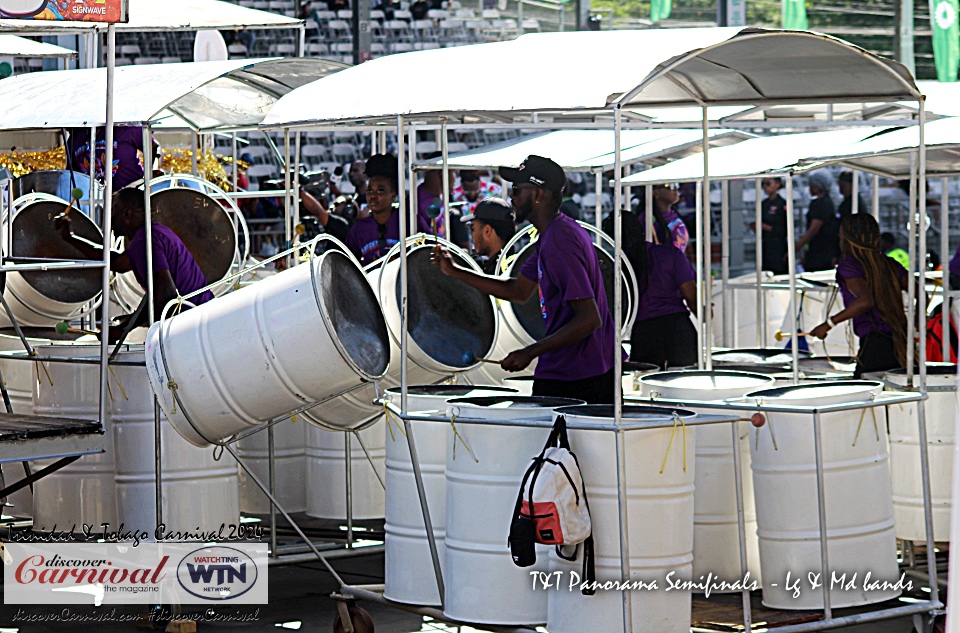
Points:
[795,15]
[946,38]
[660,9]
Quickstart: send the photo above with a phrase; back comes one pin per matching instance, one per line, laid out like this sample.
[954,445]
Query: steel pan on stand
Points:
[42,298]
[54,182]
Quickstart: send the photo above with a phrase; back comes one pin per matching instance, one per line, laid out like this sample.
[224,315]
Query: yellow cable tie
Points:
[673,432]
[172,386]
[863,412]
[456,434]
[119,384]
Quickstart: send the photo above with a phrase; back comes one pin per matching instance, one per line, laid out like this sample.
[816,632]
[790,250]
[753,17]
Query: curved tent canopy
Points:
[590,150]
[168,15]
[714,66]
[207,96]
[13,46]
[889,153]
[754,158]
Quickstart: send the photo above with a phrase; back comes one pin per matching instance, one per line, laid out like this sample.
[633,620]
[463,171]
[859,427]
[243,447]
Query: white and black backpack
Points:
[552,506]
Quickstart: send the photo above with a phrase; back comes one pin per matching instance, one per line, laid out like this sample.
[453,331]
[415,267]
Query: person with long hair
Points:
[668,226]
[871,284]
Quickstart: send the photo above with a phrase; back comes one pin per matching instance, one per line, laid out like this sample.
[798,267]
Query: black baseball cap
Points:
[491,210]
[536,170]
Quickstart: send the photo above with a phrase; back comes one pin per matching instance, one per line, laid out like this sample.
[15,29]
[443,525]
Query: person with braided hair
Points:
[872,285]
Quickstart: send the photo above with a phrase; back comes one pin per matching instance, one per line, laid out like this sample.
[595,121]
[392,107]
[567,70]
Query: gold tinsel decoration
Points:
[21,163]
[210,166]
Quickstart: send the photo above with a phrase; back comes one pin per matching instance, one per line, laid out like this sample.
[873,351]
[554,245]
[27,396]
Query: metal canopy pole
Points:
[151,314]
[855,191]
[104,408]
[761,318]
[618,371]
[402,211]
[725,295]
[648,214]
[295,178]
[792,272]
[706,246]
[944,264]
[911,277]
[445,158]
[287,225]
[699,266]
[876,198]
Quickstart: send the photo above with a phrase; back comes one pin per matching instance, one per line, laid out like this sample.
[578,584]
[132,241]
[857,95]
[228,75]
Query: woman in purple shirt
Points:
[871,284]
[372,237]
[662,333]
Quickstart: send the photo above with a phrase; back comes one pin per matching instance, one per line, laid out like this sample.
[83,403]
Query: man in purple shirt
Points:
[576,356]
[372,237]
[127,154]
[175,271]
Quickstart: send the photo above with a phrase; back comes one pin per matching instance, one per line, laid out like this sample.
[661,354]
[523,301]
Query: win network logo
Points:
[217,573]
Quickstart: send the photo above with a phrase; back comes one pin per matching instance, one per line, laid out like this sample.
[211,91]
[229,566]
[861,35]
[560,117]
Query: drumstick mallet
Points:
[469,358]
[63,327]
[779,335]
[75,194]
[434,212]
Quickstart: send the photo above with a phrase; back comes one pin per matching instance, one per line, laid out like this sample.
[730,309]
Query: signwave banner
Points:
[151,573]
[69,10]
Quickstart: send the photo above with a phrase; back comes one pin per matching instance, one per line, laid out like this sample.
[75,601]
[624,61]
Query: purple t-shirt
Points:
[127,165]
[955,262]
[367,243]
[169,253]
[667,269]
[870,321]
[564,264]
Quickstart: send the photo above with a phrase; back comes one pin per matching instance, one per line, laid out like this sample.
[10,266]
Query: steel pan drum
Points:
[34,235]
[202,224]
[757,356]
[56,182]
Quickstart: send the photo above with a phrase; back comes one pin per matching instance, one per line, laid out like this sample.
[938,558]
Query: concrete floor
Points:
[299,600]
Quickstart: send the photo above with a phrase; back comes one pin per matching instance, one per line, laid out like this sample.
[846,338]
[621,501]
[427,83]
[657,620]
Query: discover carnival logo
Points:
[118,573]
[217,573]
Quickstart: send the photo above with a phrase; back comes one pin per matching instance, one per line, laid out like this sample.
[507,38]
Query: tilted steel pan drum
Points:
[41,298]
[56,182]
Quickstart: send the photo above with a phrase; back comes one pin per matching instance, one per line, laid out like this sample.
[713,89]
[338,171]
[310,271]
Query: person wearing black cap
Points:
[370,238]
[575,358]
[491,226]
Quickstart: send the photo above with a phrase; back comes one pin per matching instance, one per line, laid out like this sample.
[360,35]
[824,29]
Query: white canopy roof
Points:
[168,15]
[889,153]
[207,96]
[640,69]
[13,46]
[590,150]
[764,156]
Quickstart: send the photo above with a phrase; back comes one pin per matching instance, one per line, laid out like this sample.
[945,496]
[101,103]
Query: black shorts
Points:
[665,341]
[877,353]
[595,390]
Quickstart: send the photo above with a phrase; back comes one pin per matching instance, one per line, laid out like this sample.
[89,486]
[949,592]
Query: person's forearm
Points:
[574,331]
[860,305]
[500,288]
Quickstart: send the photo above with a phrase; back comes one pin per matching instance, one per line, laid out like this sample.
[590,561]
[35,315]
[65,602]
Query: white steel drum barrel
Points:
[18,378]
[522,324]
[198,493]
[408,566]
[859,507]
[481,582]
[659,519]
[267,349]
[42,298]
[941,407]
[447,319]
[716,535]
[290,468]
[83,492]
[326,495]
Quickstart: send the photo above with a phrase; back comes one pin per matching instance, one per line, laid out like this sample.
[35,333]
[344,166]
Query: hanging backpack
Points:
[552,506]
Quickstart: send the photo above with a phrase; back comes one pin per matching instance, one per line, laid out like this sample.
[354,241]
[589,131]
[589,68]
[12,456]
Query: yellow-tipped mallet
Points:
[779,335]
